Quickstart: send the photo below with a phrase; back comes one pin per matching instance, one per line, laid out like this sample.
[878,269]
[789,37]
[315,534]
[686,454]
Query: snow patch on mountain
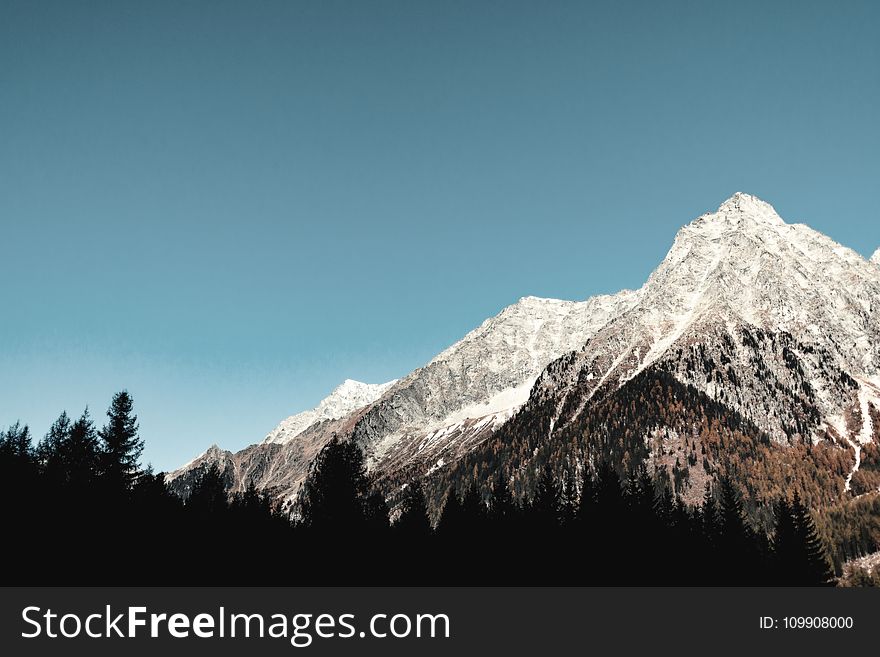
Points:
[345,398]
[745,264]
[488,373]
[876,257]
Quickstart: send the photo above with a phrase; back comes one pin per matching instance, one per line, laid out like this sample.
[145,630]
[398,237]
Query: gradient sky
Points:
[229,207]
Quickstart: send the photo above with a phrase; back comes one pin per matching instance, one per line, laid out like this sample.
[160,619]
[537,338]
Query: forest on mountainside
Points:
[79,509]
[693,441]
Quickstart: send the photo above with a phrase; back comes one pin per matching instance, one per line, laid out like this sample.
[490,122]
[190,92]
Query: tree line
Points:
[78,508]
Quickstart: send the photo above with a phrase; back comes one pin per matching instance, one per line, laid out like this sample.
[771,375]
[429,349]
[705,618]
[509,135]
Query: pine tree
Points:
[814,567]
[336,489]
[452,523]
[80,456]
[568,497]
[413,523]
[50,449]
[375,512]
[121,446]
[586,511]
[16,450]
[474,512]
[710,518]
[546,507]
[786,544]
[503,508]
[208,495]
[18,467]
[739,550]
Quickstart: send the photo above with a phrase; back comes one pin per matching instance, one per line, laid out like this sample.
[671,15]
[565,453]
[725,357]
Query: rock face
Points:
[773,322]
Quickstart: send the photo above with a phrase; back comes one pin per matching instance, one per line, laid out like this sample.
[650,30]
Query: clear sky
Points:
[229,207]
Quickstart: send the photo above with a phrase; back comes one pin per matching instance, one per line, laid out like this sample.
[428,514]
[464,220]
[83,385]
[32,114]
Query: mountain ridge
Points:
[775,321]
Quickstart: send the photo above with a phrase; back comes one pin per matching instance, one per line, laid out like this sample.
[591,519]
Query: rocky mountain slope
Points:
[436,412]
[763,337]
[346,398]
[752,353]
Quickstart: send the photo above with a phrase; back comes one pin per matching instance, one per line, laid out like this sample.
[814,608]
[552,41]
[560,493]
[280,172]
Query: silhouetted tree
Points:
[121,446]
[811,558]
[336,489]
[79,453]
[209,494]
[413,524]
[546,505]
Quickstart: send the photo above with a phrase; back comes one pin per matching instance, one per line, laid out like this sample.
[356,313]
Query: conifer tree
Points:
[503,508]
[814,567]
[336,489]
[586,511]
[452,521]
[80,454]
[17,463]
[208,494]
[375,512]
[121,447]
[413,523]
[50,449]
[786,544]
[546,507]
[16,449]
[568,497]
[710,517]
[474,512]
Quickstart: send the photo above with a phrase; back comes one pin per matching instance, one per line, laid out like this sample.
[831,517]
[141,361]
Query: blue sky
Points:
[229,207]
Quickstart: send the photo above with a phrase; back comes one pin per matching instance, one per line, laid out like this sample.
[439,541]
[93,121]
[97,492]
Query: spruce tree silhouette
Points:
[786,545]
[18,477]
[334,505]
[451,535]
[503,508]
[50,450]
[209,497]
[121,446]
[812,563]
[80,454]
[739,550]
[568,497]
[413,524]
[377,530]
[452,522]
[547,502]
[336,489]
[710,517]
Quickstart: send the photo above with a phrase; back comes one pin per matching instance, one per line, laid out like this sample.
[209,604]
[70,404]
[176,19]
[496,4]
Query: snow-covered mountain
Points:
[455,400]
[347,397]
[774,324]
[876,257]
[743,266]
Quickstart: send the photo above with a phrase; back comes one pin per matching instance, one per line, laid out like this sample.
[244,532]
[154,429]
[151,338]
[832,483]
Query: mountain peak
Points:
[347,397]
[742,204]
[349,385]
[876,257]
